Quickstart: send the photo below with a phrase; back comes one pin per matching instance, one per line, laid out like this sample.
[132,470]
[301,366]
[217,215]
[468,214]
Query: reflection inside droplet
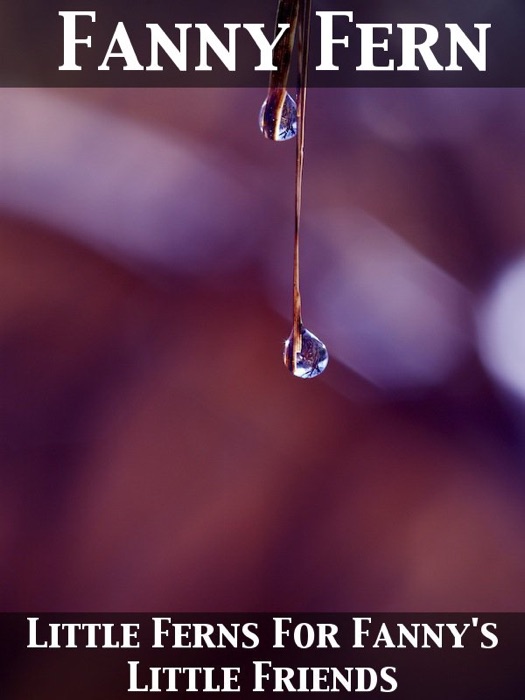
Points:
[278,116]
[311,357]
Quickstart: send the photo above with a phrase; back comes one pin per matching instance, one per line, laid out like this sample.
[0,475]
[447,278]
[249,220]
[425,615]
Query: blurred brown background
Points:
[154,451]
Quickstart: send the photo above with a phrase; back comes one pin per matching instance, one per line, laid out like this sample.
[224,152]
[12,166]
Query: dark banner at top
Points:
[200,43]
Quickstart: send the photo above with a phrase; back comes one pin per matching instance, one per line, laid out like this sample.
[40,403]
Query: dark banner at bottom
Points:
[408,656]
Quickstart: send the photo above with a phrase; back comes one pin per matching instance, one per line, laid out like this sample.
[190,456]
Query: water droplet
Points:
[311,358]
[278,116]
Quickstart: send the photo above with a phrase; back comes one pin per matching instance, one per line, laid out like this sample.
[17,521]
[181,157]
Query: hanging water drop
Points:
[278,116]
[311,355]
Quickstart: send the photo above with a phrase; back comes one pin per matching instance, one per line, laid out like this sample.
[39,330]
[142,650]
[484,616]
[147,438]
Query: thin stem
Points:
[287,13]
[304,34]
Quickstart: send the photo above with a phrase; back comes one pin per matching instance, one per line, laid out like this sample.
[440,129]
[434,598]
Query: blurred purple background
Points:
[155,453]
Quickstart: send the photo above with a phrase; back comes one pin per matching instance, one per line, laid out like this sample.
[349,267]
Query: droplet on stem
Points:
[278,116]
[311,357]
